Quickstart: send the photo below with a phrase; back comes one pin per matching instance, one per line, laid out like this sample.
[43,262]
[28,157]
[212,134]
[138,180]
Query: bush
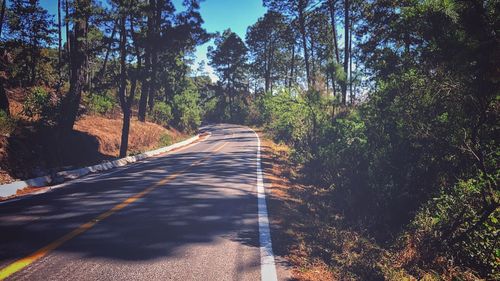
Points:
[39,104]
[161,114]
[186,108]
[165,140]
[7,124]
[464,223]
[100,104]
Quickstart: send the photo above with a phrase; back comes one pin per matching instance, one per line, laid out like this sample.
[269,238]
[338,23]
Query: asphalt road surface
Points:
[188,215]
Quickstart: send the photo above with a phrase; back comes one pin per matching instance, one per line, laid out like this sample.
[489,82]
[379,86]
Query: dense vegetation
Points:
[391,106]
[411,157]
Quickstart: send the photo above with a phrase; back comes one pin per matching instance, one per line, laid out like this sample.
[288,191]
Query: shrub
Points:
[165,140]
[187,111]
[465,222]
[101,104]
[7,124]
[38,104]
[161,114]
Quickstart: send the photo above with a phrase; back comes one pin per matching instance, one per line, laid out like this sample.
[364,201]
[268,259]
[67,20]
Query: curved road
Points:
[188,215]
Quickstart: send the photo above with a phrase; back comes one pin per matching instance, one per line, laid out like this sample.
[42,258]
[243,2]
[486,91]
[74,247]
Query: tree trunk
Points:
[302,27]
[68,37]
[146,77]
[334,30]
[4,101]
[34,61]
[59,46]
[126,102]
[122,88]
[313,65]
[292,65]
[153,86]
[141,115]
[78,55]
[350,67]
[270,66]
[266,68]
[102,71]
[346,51]
[2,16]
[335,44]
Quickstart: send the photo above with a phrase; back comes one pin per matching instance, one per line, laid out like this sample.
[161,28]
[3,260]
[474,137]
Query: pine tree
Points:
[78,61]
[30,28]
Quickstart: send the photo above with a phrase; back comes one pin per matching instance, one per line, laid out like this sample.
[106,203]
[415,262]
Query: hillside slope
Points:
[32,150]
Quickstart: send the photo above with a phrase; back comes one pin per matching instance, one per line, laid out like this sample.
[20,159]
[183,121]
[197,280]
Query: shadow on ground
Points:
[215,199]
[33,151]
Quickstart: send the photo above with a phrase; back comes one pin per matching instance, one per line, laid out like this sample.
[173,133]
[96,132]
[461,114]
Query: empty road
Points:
[192,214]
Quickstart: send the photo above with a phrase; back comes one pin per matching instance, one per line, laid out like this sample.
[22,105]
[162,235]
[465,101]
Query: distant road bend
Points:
[198,213]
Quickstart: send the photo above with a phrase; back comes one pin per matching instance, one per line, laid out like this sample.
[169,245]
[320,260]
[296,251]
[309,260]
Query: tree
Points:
[30,27]
[78,62]
[2,15]
[268,41]
[295,9]
[59,41]
[346,51]
[229,61]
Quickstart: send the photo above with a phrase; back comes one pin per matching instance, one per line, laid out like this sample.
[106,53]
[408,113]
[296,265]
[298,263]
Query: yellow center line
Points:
[24,262]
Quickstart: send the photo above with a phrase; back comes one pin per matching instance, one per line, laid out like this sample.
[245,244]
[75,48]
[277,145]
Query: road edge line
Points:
[267,261]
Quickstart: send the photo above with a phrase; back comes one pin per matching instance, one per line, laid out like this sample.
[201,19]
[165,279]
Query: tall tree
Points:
[346,51]
[127,100]
[78,61]
[146,73]
[4,101]
[295,9]
[2,15]
[59,41]
[335,47]
[229,58]
[267,42]
[30,27]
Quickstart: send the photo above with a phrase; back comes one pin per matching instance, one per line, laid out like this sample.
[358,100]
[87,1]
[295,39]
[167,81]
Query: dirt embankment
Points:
[32,150]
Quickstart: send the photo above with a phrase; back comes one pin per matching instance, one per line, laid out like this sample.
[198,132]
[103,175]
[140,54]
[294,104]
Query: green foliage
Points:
[29,31]
[7,123]
[38,104]
[101,104]
[186,109]
[161,114]
[165,140]
[467,228]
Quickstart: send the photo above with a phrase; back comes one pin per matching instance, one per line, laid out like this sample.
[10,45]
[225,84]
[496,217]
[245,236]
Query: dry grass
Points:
[143,135]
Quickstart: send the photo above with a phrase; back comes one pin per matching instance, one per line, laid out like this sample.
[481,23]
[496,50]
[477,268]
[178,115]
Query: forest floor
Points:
[32,150]
[317,242]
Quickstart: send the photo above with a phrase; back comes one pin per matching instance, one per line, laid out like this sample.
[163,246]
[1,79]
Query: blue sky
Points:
[218,15]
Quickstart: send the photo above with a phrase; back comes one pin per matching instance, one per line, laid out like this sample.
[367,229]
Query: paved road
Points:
[188,215]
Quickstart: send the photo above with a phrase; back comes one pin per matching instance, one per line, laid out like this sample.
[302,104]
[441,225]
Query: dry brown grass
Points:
[143,135]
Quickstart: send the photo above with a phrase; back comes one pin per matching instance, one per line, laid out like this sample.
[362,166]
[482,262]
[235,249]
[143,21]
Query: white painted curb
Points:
[11,188]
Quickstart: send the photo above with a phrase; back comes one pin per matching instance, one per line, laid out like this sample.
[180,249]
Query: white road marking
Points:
[267,263]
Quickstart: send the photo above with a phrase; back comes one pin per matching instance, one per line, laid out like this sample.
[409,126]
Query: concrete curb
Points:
[10,189]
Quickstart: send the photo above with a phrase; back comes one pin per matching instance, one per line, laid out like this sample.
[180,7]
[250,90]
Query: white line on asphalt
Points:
[267,264]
